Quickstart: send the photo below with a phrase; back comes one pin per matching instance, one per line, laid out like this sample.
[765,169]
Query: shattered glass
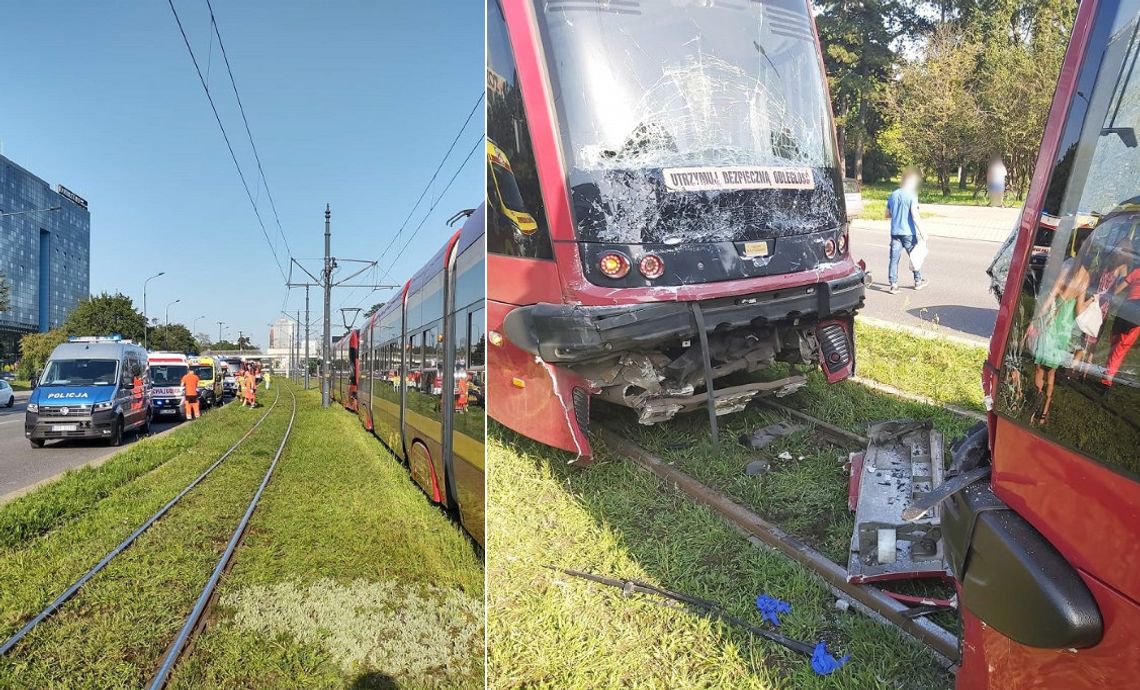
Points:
[643,87]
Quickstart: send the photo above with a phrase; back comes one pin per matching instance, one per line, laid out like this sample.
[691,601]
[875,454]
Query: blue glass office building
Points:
[45,256]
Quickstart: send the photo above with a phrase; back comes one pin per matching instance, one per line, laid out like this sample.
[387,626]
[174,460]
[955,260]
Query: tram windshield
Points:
[692,121]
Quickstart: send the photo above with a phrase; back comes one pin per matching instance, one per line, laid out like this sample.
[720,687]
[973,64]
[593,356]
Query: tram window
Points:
[1071,371]
[516,223]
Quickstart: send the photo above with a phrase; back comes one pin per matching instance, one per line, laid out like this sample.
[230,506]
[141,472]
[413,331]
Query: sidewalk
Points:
[958,222]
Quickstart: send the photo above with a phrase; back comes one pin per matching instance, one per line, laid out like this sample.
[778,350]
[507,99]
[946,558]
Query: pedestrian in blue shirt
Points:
[906,229]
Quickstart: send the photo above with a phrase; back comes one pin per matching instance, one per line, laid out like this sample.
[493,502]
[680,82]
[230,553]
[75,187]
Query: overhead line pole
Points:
[327,283]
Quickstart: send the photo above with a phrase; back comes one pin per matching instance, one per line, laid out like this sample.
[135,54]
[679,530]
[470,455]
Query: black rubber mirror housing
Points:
[1012,578]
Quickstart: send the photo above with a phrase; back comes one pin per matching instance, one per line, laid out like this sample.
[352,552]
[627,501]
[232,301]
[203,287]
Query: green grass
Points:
[21,385]
[937,368]
[547,630]
[551,631]
[325,527]
[875,196]
[77,491]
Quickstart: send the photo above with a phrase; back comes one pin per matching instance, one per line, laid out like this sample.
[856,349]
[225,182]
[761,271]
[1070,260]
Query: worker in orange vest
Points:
[250,388]
[191,408]
[461,394]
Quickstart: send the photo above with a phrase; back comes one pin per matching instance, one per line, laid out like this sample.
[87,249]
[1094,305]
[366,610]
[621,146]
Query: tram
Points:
[415,371]
[665,210]
[1043,544]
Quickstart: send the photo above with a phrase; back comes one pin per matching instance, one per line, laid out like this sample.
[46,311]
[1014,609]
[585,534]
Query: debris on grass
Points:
[757,467]
[770,608]
[764,436]
[825,664]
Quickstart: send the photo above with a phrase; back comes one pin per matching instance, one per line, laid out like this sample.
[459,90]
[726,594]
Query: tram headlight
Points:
[843,243]
[651,266]
[614,265]
[829,249]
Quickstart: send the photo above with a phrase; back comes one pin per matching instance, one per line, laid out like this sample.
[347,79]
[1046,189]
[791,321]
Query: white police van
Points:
[91,387]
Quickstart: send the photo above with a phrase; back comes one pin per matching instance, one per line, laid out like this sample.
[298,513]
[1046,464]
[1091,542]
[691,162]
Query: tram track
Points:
[189,629]
[869,599]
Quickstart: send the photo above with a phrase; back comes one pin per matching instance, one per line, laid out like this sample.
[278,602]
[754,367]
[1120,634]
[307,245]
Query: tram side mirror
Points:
[1012,578]
[1126,134]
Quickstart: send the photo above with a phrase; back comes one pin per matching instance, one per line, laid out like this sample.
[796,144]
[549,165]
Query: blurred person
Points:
[268,378]
[995,182]
[250,388]
[906,229]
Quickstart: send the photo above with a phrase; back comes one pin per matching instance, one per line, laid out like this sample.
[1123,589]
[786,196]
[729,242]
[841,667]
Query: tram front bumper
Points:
[564,333]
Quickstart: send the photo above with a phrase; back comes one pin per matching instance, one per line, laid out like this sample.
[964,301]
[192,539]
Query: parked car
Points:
[853,197]
[7,395]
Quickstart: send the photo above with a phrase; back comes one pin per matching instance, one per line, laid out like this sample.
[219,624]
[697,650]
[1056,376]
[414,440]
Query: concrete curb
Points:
[13,495]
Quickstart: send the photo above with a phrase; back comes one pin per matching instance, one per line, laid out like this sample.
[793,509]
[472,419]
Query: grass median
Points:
[549,630]
[339,513]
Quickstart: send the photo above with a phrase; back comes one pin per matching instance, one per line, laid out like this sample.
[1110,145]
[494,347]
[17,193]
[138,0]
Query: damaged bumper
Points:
[563,333]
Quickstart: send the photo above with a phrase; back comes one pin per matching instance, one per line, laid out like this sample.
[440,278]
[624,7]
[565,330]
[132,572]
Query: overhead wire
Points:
[225,136]
[248,132]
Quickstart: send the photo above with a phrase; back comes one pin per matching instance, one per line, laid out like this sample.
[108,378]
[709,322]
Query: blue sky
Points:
[350,103]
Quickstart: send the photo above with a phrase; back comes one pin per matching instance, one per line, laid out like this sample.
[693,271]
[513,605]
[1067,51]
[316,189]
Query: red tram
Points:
[665,209]
[415,372]
[1045,548]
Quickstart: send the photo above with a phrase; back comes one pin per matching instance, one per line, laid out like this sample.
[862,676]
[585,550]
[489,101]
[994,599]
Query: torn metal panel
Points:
[903,461]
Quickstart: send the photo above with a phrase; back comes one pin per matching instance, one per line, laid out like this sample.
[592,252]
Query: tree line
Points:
[944,86]
[107,314]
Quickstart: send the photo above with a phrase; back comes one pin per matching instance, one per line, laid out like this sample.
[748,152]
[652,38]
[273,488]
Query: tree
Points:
[35,348]
[202,341]
[939,117]
[244,343]
[859,39]
[223,345]
[174,337]
[105,315]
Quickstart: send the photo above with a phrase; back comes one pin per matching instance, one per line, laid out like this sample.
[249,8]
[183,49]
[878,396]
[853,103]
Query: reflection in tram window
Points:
[1071,357]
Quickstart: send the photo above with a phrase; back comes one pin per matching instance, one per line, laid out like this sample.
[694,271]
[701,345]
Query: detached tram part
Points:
[703,607]
[196,617]
[940,641]
[902,464]
[74,588]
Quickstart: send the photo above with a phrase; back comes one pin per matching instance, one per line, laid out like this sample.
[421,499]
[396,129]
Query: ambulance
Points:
[166,372]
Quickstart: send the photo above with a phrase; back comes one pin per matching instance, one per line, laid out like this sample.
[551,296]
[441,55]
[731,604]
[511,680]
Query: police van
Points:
[91,387]
[166,372]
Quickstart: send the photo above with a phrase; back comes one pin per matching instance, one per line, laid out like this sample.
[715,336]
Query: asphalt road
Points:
[957,302]
[21,465]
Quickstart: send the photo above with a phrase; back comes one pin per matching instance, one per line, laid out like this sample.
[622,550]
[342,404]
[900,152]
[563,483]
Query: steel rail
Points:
[184,635]
[939,640]
[70,591]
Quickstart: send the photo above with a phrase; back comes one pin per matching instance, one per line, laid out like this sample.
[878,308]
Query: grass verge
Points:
[115,630]
[937,368]
[78,490]
[347,577]
[545,630]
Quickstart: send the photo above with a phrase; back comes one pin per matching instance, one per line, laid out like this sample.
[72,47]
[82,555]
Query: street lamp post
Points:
[168,311]
[220,324]
[195,322]
[146,317]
